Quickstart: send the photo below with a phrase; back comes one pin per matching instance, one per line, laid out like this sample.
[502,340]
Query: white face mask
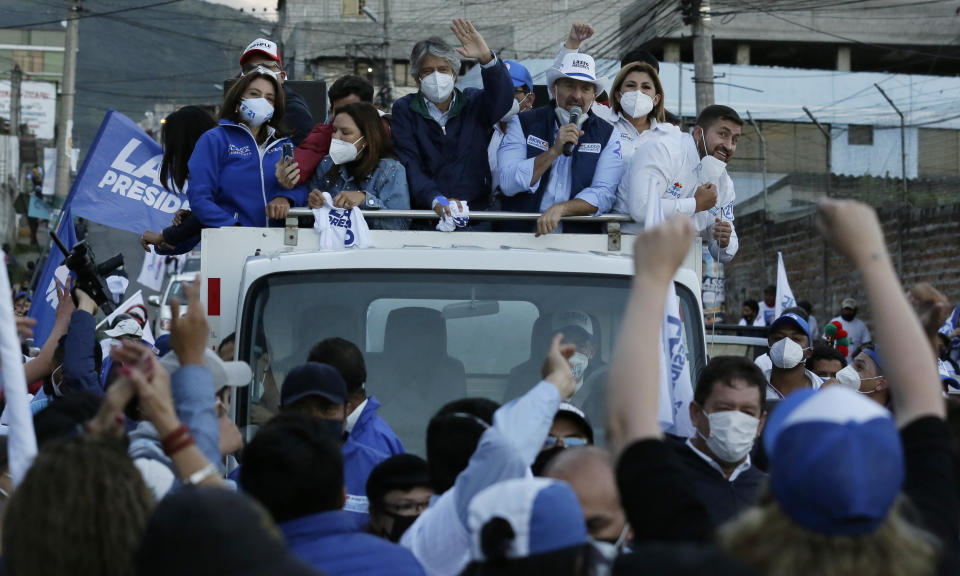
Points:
[514,110]
[636,104]
[711,170]
[848,378]
[610,550]
[255,111]
[563,116]
[731,434]
[578,364]
[343,152]
[437,87]
[786,354]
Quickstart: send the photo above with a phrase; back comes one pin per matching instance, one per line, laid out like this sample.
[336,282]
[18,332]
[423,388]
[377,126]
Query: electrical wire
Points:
[89,15]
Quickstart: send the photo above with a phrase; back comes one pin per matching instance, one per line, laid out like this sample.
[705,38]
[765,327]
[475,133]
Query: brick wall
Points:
[930,253]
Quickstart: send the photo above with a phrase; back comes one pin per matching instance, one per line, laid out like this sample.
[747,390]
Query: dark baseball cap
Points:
[313,379]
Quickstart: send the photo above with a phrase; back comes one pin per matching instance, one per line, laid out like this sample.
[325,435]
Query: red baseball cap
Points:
[262,46]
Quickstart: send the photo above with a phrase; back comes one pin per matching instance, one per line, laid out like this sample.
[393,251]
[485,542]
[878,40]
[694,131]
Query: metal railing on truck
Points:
[612,221]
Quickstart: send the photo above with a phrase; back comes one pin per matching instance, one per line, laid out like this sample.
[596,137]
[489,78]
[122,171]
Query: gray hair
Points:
[436,47]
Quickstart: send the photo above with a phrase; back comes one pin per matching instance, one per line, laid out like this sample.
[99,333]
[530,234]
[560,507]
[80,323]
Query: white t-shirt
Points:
[767,313]
[774,394]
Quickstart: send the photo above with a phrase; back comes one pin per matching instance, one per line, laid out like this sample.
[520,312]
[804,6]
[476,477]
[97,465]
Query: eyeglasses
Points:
[409,508]
[565,442]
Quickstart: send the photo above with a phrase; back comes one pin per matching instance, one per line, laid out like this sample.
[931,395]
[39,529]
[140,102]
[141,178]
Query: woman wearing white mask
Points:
[361,170]
[638,103]
[231,169]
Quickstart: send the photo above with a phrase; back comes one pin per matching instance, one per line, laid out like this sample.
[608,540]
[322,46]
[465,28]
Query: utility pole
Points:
[65,119]
[826,270]
[903,180]
[16,76]
[696,13]
[763,168]
[386,94]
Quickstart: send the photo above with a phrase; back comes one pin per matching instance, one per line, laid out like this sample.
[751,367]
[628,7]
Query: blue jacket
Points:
[79,365]
[452,160]
[231,181]
[358,461]
[328,541]
[386,188]
[373,431]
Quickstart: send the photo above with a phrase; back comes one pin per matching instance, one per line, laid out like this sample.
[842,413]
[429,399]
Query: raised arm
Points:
[854,231]
[634,384]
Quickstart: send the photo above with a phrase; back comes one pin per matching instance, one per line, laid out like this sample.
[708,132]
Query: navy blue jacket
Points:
[329,541]
[722,499]
[79,364]
[297,115]
[541,123]
[231,182]
[373,431]
[451,161]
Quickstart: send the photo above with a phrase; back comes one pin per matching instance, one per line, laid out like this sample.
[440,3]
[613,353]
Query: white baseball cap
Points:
[262,46]
[577,66]
[125,327]
[232,374]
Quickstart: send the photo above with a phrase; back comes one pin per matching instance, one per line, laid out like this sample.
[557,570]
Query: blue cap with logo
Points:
[519,74]
[836,462]
[795,319]
[543,514]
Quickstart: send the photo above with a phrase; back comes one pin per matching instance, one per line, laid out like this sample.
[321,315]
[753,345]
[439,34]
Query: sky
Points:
[255,7]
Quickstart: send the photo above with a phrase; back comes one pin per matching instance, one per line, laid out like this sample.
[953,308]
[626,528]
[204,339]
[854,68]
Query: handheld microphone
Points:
[575,114]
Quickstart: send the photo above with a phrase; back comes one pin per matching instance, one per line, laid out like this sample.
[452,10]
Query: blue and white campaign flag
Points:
[676,390]
[119,183]
[153,271]
[45,309]
[785,297]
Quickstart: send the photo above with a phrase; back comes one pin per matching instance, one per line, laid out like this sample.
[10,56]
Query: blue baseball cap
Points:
[544,515]
[519,74]
[792,318]
[875,356]
[313,379]
[836,463]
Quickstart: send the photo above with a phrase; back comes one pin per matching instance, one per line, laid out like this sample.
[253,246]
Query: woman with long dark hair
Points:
[361,170]
[181,130]
[232,179]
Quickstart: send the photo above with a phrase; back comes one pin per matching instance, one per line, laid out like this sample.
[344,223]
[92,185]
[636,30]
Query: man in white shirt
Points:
[856,328]
[524,97]
[688,171]
[790,345]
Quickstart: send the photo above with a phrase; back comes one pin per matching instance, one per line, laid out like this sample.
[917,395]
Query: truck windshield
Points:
[429,337]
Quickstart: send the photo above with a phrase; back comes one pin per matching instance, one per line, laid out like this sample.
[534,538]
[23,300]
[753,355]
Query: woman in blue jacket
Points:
[361,170]
[231,170]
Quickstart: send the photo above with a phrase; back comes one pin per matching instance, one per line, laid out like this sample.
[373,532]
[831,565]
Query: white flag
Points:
[676,390]
[784,293]
[153,270]
[21,440]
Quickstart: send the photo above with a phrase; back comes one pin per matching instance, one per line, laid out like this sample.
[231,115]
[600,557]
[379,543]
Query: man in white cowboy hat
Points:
[562,160]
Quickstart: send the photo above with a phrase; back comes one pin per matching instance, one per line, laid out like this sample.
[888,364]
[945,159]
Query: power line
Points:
[89,15]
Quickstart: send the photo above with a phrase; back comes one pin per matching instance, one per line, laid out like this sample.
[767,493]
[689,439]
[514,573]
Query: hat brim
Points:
[252,53]
[553,75]
[118,332]
[307,393]
[239,374]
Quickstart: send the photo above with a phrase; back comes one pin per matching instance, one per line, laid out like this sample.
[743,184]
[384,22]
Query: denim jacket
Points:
[385,188]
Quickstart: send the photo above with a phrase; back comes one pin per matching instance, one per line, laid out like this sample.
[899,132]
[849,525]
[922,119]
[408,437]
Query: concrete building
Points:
[323,39]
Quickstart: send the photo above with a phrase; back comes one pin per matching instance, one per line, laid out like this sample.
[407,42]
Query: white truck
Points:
[438,316]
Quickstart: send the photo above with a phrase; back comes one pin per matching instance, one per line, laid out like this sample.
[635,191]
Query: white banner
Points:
[785,297]
[676,390]
[153,271]
[38,106]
